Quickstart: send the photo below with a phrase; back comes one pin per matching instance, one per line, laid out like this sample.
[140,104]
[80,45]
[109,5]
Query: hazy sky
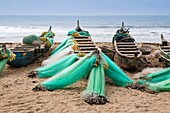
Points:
[85,7]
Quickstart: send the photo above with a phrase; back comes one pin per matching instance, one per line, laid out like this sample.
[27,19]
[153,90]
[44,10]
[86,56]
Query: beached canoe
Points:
[27,53]
[165,51]
[126,49]
[85,44]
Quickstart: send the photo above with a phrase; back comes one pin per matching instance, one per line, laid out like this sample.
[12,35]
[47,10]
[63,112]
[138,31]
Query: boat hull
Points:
[165,60]
[165,51]
[126,62]
[25,58]
[127,54]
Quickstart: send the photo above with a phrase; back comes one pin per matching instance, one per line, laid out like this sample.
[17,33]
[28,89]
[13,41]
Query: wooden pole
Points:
[4,46]
[78,25]
[50,28]
[164,42]
[123,25]
[162,37]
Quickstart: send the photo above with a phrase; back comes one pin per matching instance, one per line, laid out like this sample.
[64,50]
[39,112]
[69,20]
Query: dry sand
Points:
[16,96]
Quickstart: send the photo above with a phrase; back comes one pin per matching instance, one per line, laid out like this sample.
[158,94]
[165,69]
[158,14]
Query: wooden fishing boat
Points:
[84,43]
[126,50]
[165,51]
[27,53]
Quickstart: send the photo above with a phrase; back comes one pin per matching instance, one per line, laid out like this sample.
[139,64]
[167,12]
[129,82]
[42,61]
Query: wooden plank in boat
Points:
[130,55]
[89,49]
[83,39]
[86,45]
[125,43]
[128,49]
[82,51]
[166,50]
[28,45]
[126,46]
[163,47]
[22,49]
[129,52]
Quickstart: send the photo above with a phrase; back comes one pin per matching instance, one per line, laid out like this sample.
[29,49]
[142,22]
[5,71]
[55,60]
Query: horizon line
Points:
[82,15]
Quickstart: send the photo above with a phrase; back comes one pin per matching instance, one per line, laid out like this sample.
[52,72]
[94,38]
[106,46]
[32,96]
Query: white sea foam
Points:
[101,28]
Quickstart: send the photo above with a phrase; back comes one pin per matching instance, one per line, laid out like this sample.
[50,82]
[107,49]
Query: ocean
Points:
[102,28]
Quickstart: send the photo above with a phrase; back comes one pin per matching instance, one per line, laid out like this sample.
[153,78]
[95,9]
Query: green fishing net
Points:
[57,66]
[8,56]
[68,43]
[95,90]
[115,73]
[84,33]
[49,34]
[30,39]
[62,45]
[155,77]
[96,81]
[2,64]
[158,81]
[71,74]
[160,86]
[71,32]
[51,41]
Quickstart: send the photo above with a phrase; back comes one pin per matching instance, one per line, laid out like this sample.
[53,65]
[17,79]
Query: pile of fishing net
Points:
[64,68]
[154,82]
[93,66]
[81,32]
[45,38]
[124,35]
[5,56]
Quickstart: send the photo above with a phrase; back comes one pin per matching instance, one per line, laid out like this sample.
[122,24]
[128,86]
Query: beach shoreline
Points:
[17,97]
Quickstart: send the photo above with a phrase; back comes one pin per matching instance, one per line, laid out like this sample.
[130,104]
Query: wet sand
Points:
[16,95]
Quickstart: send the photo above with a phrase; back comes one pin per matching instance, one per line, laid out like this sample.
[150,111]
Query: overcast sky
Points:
[84,7]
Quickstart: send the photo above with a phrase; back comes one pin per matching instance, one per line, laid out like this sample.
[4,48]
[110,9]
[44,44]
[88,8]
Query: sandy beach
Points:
[16,95]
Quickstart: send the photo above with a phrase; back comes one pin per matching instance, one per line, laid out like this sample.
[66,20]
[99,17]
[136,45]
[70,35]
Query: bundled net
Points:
[71,32]
[64,70]
[56,67]
[5,56]
[61,45]
[159,86]
[115,73]
[155,77]
[95,90]
[2,64]
[57,56]
[71,74]
[84,33]
[30,39]
[156,82]
[68,43]
[46,38]
[81,33]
